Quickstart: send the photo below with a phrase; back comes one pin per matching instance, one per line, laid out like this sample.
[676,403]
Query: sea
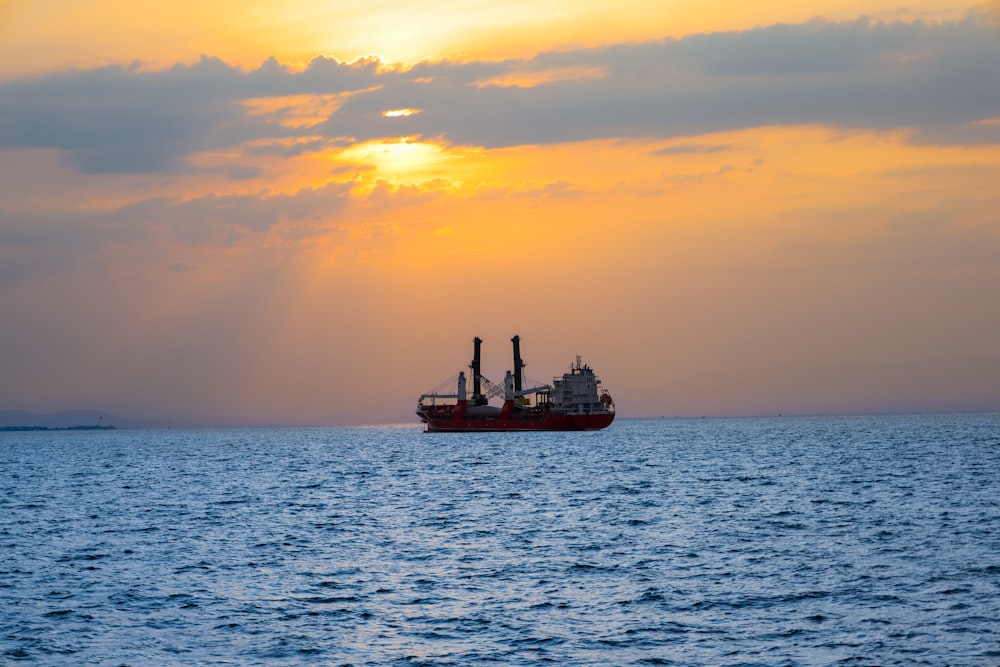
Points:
[856,540]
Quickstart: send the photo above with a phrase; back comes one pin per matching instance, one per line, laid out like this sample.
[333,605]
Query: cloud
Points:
[119,119]
[181,267]
[214,214]
[685,149]
[560,189]
[40,243]
[929,78]
[937,80]
[289,149]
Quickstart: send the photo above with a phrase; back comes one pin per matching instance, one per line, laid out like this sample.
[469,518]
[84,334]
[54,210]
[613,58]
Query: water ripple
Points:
[842,541]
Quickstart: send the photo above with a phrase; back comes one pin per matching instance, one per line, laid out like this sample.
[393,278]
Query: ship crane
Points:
[493,390]
[511,392]
[434,394]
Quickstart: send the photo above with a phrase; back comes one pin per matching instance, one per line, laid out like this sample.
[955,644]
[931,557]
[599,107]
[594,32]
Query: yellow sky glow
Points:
[40,35]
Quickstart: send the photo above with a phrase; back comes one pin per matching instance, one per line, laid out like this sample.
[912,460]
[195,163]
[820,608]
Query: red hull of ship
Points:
[452,418]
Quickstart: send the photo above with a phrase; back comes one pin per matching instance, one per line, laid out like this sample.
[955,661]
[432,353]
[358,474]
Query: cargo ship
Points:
[574,402]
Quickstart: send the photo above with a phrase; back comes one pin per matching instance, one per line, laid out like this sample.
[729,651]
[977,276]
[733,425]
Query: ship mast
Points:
[518,362]
[477,391]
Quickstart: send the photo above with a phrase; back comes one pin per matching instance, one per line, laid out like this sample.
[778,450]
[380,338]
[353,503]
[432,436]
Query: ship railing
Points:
[433,398]
[532,390]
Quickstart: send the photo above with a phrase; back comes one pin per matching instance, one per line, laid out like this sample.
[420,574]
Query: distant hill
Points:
[65,419]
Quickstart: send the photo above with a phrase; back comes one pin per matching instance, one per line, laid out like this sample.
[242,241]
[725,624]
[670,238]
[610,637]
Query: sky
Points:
[302,212]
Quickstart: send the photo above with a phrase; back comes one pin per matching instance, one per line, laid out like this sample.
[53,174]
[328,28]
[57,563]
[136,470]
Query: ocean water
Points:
[758,541]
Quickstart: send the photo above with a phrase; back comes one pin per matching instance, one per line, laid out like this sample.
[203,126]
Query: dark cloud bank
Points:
[938,80]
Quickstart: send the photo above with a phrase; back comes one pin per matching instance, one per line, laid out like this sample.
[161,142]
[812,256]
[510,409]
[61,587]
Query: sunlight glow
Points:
[398,113]
[403,159]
